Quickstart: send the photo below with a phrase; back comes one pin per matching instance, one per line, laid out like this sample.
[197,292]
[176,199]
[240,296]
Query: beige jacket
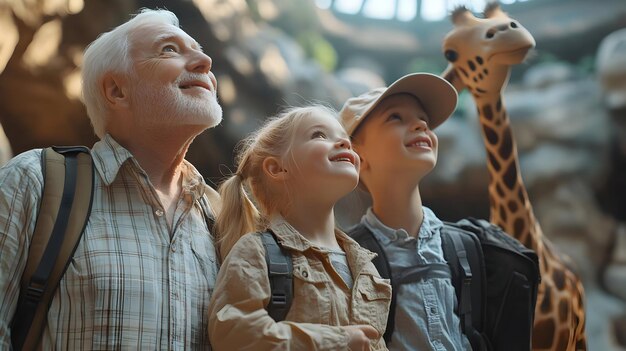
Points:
[321,301]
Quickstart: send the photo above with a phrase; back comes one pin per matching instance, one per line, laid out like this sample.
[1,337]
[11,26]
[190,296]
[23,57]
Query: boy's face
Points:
[395,138]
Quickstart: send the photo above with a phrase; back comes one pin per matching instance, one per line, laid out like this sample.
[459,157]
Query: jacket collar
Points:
[291,239]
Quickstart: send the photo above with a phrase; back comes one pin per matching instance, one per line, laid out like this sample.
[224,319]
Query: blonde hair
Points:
[239,214]
[110,53]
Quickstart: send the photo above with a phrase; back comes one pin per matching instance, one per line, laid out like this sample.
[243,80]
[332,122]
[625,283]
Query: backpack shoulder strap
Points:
[280,272]
[63,214]
[361,234]
[366,239]
[463,252]
[211,204]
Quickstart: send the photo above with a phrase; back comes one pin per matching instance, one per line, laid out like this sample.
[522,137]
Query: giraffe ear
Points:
[492,9]
[461,15]
[450,74]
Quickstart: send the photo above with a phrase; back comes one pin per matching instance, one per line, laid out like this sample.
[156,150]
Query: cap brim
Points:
[437,96]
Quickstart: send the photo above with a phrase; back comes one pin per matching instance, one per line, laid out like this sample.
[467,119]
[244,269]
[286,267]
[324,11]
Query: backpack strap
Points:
[211,204]
[63,214]
[361,234]
[280,272]
[463,252]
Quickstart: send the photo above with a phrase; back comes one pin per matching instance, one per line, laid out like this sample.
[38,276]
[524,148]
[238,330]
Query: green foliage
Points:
[319,49]
[298,19]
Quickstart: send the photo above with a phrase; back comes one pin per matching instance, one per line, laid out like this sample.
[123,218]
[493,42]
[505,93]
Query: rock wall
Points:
[571,141]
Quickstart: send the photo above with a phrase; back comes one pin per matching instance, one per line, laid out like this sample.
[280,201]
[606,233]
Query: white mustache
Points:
[189,77]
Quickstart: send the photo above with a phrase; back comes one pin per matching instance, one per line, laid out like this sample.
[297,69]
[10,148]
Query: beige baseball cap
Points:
[437,96]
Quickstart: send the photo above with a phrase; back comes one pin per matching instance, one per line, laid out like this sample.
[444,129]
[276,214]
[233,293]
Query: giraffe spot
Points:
[476,96]
[475,80]
[464,72]
[471,65]
[506,147]
[486,71]
[543,334]
[562,340]
[499,190]
[490,134]
[519,225]
[513,206]
[521,195]
[563,311]
[480,90]
[503,213]
[493,161]
[498,104]
[487,112]
[510,175]
[559,278]
[480,76]
[479,60]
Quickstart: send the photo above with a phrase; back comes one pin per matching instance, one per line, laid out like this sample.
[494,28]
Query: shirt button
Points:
[305,274]
[159,212]
[173,248]
[433,310]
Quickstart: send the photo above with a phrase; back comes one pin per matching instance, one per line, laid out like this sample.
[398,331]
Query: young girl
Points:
[295,167]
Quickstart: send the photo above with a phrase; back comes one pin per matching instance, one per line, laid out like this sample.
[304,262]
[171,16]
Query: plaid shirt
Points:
[134,283]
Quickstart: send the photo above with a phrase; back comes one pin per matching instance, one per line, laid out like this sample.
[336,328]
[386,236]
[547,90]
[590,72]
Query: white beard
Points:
[171,106]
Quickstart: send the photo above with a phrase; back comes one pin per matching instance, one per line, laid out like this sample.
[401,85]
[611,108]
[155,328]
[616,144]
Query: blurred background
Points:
[567,103]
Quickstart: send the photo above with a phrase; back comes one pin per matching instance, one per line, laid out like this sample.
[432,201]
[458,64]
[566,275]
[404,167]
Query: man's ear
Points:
[114,90]
[274,169]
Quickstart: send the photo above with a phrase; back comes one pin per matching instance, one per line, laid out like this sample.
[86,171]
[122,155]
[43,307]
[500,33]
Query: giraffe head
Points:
[480,51]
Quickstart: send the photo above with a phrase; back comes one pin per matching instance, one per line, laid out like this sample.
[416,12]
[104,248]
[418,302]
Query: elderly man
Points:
[143,272]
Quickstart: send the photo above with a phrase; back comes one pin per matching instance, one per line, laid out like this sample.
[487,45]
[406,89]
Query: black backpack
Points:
[495,279]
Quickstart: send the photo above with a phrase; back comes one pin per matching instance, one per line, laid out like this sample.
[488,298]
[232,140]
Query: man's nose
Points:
[200,63]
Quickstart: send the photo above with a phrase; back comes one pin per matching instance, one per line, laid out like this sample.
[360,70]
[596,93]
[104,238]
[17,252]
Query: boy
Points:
[392,131]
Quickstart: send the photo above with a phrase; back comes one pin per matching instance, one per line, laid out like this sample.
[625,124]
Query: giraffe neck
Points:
[510,207]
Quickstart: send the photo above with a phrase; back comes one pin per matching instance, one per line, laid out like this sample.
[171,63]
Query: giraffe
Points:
[480,53]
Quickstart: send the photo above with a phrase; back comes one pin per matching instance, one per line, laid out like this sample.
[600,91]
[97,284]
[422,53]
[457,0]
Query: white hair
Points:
[110,53]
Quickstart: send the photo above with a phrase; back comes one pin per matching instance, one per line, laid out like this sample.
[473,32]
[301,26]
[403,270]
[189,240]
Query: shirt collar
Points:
[109,157]
[430,225]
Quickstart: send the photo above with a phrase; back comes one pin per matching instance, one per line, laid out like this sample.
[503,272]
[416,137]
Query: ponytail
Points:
[238,215]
